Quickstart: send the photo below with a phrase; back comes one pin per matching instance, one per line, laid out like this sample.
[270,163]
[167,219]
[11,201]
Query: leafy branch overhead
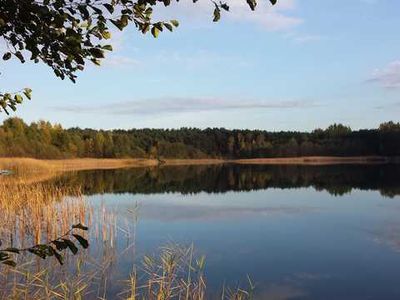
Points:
[51,249]
[65,34]
[10,101]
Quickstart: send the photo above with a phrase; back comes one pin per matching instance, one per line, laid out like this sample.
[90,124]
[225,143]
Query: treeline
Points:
[45,140]
[222,178]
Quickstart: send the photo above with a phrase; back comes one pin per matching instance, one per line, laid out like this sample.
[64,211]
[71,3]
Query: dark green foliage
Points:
[66,34]
[50,249]
[10,101]
[44,140]
[84,243]
[80,226]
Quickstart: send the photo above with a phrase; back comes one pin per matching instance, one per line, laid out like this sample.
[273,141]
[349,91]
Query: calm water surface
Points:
[300,232]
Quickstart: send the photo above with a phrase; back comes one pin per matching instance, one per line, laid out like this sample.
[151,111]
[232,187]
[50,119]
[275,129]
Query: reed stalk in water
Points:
[34,213]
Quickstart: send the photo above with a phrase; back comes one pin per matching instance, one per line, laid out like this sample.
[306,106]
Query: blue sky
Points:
[300,65]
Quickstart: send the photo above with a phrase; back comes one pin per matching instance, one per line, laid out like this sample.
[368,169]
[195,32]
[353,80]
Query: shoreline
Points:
[78,164]
[29,170]
[321,160]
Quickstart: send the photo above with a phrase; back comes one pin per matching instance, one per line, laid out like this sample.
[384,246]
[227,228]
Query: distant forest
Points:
[45,140]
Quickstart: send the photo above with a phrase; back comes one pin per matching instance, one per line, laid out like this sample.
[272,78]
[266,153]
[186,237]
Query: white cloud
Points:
[302,39]
[118,61]
[184,105]
[200,59]
[389,76]
[271,18]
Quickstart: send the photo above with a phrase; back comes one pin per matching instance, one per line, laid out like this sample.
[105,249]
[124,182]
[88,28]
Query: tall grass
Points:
[38,212]
[172,274]
[28,166]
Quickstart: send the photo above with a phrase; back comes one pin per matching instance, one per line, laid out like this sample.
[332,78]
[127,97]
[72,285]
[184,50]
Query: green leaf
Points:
[159,26]
[4,256]
[7,56]
[124,20]
[10,263]
[217,14]
[97,10]
[28,93]
[84,243]
[12,106]
[168,26]
[253,4]
[20,56]
[37,252]
[71,246]
[80,226]
[117,24]
[96,62]
[225,6]
[60,245]
[145,27]
[273,2]
[59,257]
[148,11]
[174,22]
[96,52]
[13,250]
[18,98]
[107,47]
[106,35]
[109,7]
[155,31]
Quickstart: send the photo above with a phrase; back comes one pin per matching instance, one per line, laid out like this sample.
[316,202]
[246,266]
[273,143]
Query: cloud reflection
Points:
[176,213]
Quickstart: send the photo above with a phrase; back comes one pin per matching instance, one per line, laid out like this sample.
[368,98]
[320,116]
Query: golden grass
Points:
[174,273]
[37,212]
[183,162]
[31,165]
[94,163]
[33,212]
[25,165]
[29,168]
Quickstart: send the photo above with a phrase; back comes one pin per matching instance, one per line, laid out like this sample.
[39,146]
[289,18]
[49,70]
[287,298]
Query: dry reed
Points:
[38,212]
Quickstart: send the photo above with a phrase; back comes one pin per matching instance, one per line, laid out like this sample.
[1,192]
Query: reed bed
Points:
[28,166]
[25,165]
[37,212]
[26,170]
[40,212]
[174,273]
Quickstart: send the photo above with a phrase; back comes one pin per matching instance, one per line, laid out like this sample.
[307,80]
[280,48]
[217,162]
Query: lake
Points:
[299,232]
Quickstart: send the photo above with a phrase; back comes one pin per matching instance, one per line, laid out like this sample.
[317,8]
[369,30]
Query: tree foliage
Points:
[45,140]
[51,249]
[65,34]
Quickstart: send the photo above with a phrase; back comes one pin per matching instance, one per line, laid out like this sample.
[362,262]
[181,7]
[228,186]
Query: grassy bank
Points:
[34,170]
[29,167]
[23,165]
